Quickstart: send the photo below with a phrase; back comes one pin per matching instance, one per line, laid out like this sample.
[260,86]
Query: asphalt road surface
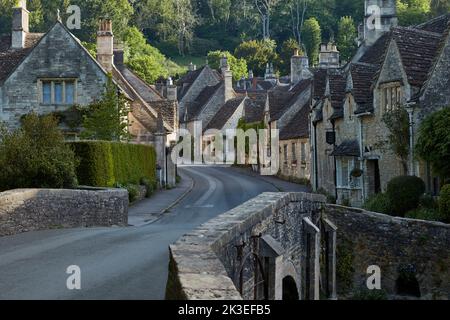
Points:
[118,263]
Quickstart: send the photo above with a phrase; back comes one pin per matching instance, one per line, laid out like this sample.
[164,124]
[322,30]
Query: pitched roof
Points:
[375,53]
[362,76]
[11,58]
[348,148]
[437,25]
[225,113]
[142,88]
[319,82]
[337,93]
[185,82]
[254,107]
[417,49]
[298,127]
[283,97]
[193,109]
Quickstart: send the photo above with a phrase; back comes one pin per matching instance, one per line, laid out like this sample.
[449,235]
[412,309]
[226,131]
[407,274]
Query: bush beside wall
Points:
[106,164]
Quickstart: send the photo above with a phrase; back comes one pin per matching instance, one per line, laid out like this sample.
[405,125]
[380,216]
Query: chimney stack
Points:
[329,56]
[299,66]
[105,45]
[20,25]
[227,77]
[192,67]
[171,90]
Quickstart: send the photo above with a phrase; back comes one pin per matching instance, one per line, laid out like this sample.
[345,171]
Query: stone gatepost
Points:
[160,148]
[330,245]
[312,260]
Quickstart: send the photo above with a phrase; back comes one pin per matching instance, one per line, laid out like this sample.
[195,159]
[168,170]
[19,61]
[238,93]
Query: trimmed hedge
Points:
[106,164]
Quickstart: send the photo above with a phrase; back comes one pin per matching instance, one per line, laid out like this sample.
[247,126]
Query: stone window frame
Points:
[41,82]
[389,92]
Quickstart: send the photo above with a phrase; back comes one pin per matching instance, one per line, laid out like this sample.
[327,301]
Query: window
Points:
[346,178]
[303,151]
[294,152]
[285,153]
[391,97]
[47,92]
[58,92]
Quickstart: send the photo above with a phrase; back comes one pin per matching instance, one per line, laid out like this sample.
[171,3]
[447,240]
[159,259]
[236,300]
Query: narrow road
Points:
[118,263]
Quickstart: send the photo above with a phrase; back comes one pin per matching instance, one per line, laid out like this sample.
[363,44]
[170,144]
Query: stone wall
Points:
[219,260]
[400,247]
[37,209]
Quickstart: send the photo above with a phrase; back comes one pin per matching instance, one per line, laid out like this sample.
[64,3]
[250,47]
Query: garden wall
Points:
[414,255]
[25,210]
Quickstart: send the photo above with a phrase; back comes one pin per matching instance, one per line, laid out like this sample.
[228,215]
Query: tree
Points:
[265,8]
[433,144]
[397,123]
[412,12]
[184,23]
[287,50]
[106,118]
[312,38]
[297,9]
[257,54]
[238,66]
[36,156]
[346,40]
[438,7]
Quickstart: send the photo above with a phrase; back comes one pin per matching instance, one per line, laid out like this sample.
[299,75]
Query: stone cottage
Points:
[51,72]
[394,67]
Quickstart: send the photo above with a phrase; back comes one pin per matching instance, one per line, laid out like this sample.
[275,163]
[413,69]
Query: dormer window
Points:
[391,97]
[57,91]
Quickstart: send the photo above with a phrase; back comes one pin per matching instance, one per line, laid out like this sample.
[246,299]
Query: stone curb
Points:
[180,198]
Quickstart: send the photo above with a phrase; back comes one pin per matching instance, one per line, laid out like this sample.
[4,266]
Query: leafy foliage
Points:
[237,66]
[397,122]
[35,156]
[433,144]
[287,50]
[106,119]
[257,54]
[444,203]
[106,164]
[346,40]
[379,203]
[404,193]
[312,38]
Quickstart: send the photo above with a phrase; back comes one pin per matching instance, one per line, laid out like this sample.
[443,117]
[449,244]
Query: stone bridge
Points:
[294,246]
[267,248]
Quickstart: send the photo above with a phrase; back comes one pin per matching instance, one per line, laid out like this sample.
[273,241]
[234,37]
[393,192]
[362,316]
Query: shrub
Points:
[149,185]
[404,193]
[427,201]
[133,192]
[36,156]
[105,164]
[424,214]
[444,203]
[379,203]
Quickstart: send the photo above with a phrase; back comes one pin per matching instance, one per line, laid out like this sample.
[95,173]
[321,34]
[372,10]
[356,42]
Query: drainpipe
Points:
[410,110]
[363,160]
[316,162]
[335,163]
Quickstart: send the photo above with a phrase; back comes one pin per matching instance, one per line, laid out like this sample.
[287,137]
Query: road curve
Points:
[118,263]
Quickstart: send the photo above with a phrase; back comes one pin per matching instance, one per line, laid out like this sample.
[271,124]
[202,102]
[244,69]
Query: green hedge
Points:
[106,164]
